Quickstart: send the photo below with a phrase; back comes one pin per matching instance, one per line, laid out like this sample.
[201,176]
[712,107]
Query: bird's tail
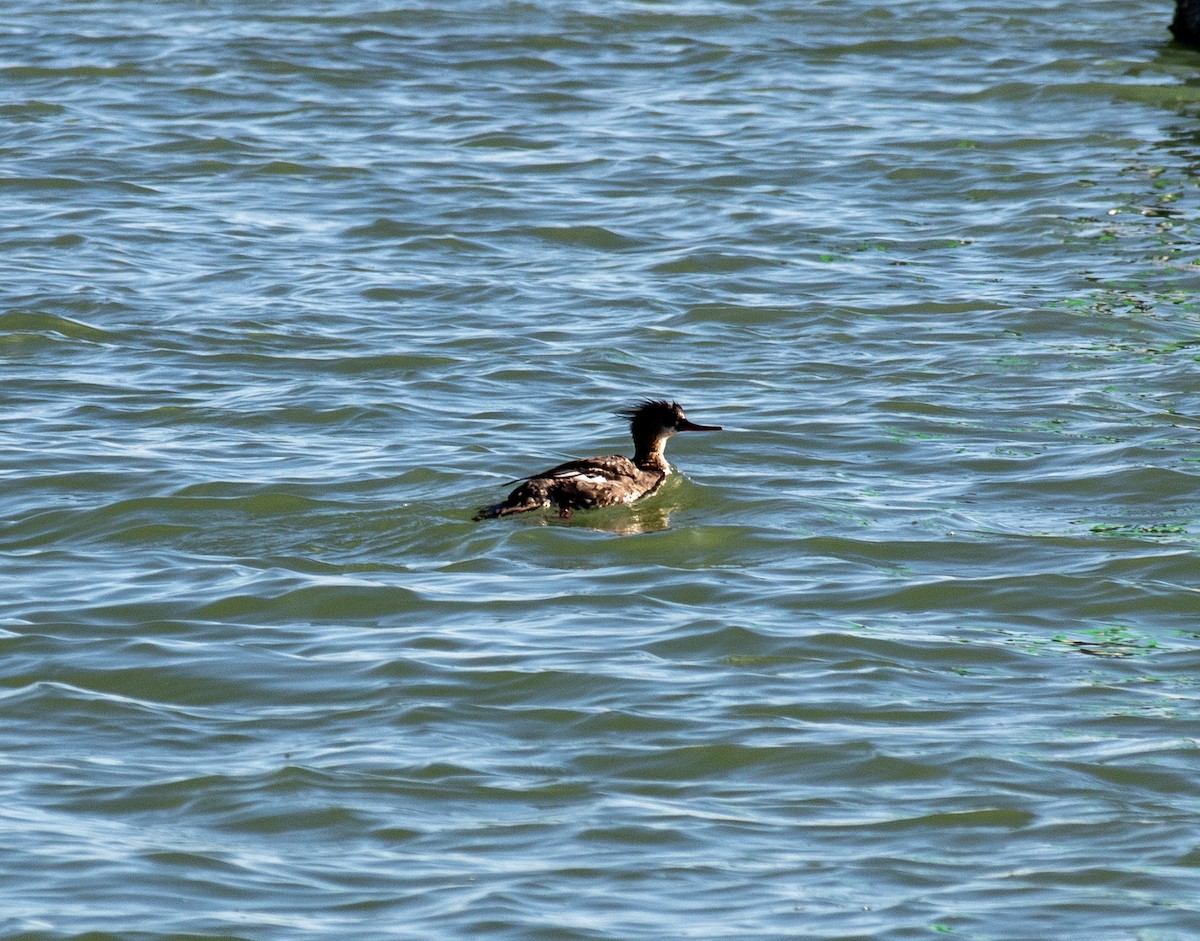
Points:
[507,508]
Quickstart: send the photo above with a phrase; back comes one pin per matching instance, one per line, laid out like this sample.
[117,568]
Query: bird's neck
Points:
[649,454]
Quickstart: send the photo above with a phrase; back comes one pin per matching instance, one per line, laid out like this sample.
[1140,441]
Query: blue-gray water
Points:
[290,289]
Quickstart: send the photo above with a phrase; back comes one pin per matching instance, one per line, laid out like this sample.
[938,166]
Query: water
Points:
[909,650]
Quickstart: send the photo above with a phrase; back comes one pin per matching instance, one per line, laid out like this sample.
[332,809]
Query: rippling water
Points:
[909,650]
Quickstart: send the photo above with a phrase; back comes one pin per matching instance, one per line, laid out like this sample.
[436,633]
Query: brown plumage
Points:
[603,481]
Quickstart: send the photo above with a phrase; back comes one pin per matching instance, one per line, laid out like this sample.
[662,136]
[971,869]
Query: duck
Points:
[594,482]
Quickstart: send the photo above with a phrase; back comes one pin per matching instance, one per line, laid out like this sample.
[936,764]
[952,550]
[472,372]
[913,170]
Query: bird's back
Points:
[581,485]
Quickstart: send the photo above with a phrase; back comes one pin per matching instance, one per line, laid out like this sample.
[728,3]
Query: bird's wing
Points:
[598,469]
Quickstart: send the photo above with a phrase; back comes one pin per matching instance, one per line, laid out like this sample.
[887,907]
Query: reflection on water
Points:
[648,516]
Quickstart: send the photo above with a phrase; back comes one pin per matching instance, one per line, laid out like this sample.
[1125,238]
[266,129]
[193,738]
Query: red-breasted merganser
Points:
[603,481]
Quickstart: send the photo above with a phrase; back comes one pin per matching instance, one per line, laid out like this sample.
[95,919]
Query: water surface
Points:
[909,650]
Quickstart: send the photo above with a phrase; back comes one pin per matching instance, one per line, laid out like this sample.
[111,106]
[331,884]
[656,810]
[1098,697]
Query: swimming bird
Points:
[604,481]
